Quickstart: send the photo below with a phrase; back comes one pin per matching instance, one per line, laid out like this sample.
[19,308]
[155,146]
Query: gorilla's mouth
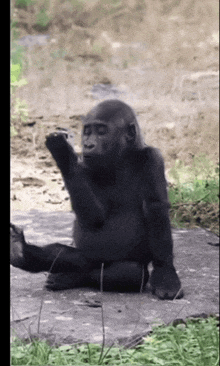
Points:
[90,155]
[92,160]
[89,158]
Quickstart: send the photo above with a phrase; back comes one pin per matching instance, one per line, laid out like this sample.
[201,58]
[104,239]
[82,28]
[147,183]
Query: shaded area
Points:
[73,315]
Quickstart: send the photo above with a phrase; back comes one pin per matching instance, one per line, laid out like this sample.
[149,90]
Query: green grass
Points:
[196,191]
[194,342]
[194,195]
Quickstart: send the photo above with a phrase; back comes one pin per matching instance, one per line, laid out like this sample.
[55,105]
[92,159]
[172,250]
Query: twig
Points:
[42,298]
[102,311]
[182,307]
[40,311]
[142,280]
[138,310]
[135,341]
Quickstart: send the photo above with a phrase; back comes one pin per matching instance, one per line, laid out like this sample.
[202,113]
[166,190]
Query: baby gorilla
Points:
[118,193]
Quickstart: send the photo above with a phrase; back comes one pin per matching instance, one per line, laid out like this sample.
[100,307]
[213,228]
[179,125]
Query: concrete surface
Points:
[75,315]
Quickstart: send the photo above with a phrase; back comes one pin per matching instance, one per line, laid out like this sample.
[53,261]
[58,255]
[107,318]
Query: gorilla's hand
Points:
[62,151]
[165,283]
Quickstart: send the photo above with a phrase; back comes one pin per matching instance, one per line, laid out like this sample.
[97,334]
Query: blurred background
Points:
[159,56]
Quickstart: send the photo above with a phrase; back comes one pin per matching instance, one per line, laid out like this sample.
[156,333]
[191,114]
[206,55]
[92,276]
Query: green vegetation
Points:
[194,196]
[19,107]
[23,3]
[42,20]
[194,342]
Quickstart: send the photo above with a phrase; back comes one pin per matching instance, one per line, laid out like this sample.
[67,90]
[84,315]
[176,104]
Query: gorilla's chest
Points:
[123,194]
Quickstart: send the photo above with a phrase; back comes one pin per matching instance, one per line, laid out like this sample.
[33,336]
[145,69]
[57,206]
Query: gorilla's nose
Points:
[89,146]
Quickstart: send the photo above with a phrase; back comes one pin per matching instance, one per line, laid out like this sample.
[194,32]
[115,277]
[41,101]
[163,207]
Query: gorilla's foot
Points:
[165,283]
[17,243]
[64,281]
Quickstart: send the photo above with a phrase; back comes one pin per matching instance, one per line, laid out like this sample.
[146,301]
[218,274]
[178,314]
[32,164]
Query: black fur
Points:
[118,192]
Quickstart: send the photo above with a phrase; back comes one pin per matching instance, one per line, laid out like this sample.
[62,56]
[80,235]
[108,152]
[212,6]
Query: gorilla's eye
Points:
[102,129]
[87,130]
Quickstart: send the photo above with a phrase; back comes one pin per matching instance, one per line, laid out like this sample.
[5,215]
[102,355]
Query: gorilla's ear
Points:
[131,133]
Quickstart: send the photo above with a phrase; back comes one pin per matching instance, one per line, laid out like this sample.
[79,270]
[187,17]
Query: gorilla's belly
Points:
[119,235]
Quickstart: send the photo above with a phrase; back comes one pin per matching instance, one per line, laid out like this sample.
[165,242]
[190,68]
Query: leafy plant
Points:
[201,169]
[17,53]
[196,191]
[43,19]
[15,74]
[194,342]
[194,195]
[19,107]
[23,3]
[20,110]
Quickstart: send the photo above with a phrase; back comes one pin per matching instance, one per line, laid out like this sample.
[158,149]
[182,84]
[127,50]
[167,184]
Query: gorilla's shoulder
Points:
[150,155]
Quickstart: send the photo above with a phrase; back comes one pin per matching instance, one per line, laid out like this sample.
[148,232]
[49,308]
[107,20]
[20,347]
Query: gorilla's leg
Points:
[121,276]
[69,268]
[54,258]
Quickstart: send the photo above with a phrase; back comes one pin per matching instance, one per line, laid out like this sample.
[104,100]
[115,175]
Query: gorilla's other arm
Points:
[156,206]
[164,280]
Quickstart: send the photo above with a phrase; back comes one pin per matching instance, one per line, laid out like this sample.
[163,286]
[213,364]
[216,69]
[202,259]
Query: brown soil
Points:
[166,70]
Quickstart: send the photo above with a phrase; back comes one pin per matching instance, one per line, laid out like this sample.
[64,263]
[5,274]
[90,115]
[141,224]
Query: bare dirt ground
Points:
[36,182]
[162,61]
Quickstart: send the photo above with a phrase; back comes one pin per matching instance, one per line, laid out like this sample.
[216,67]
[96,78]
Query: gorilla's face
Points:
[109,130]
[102,141]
